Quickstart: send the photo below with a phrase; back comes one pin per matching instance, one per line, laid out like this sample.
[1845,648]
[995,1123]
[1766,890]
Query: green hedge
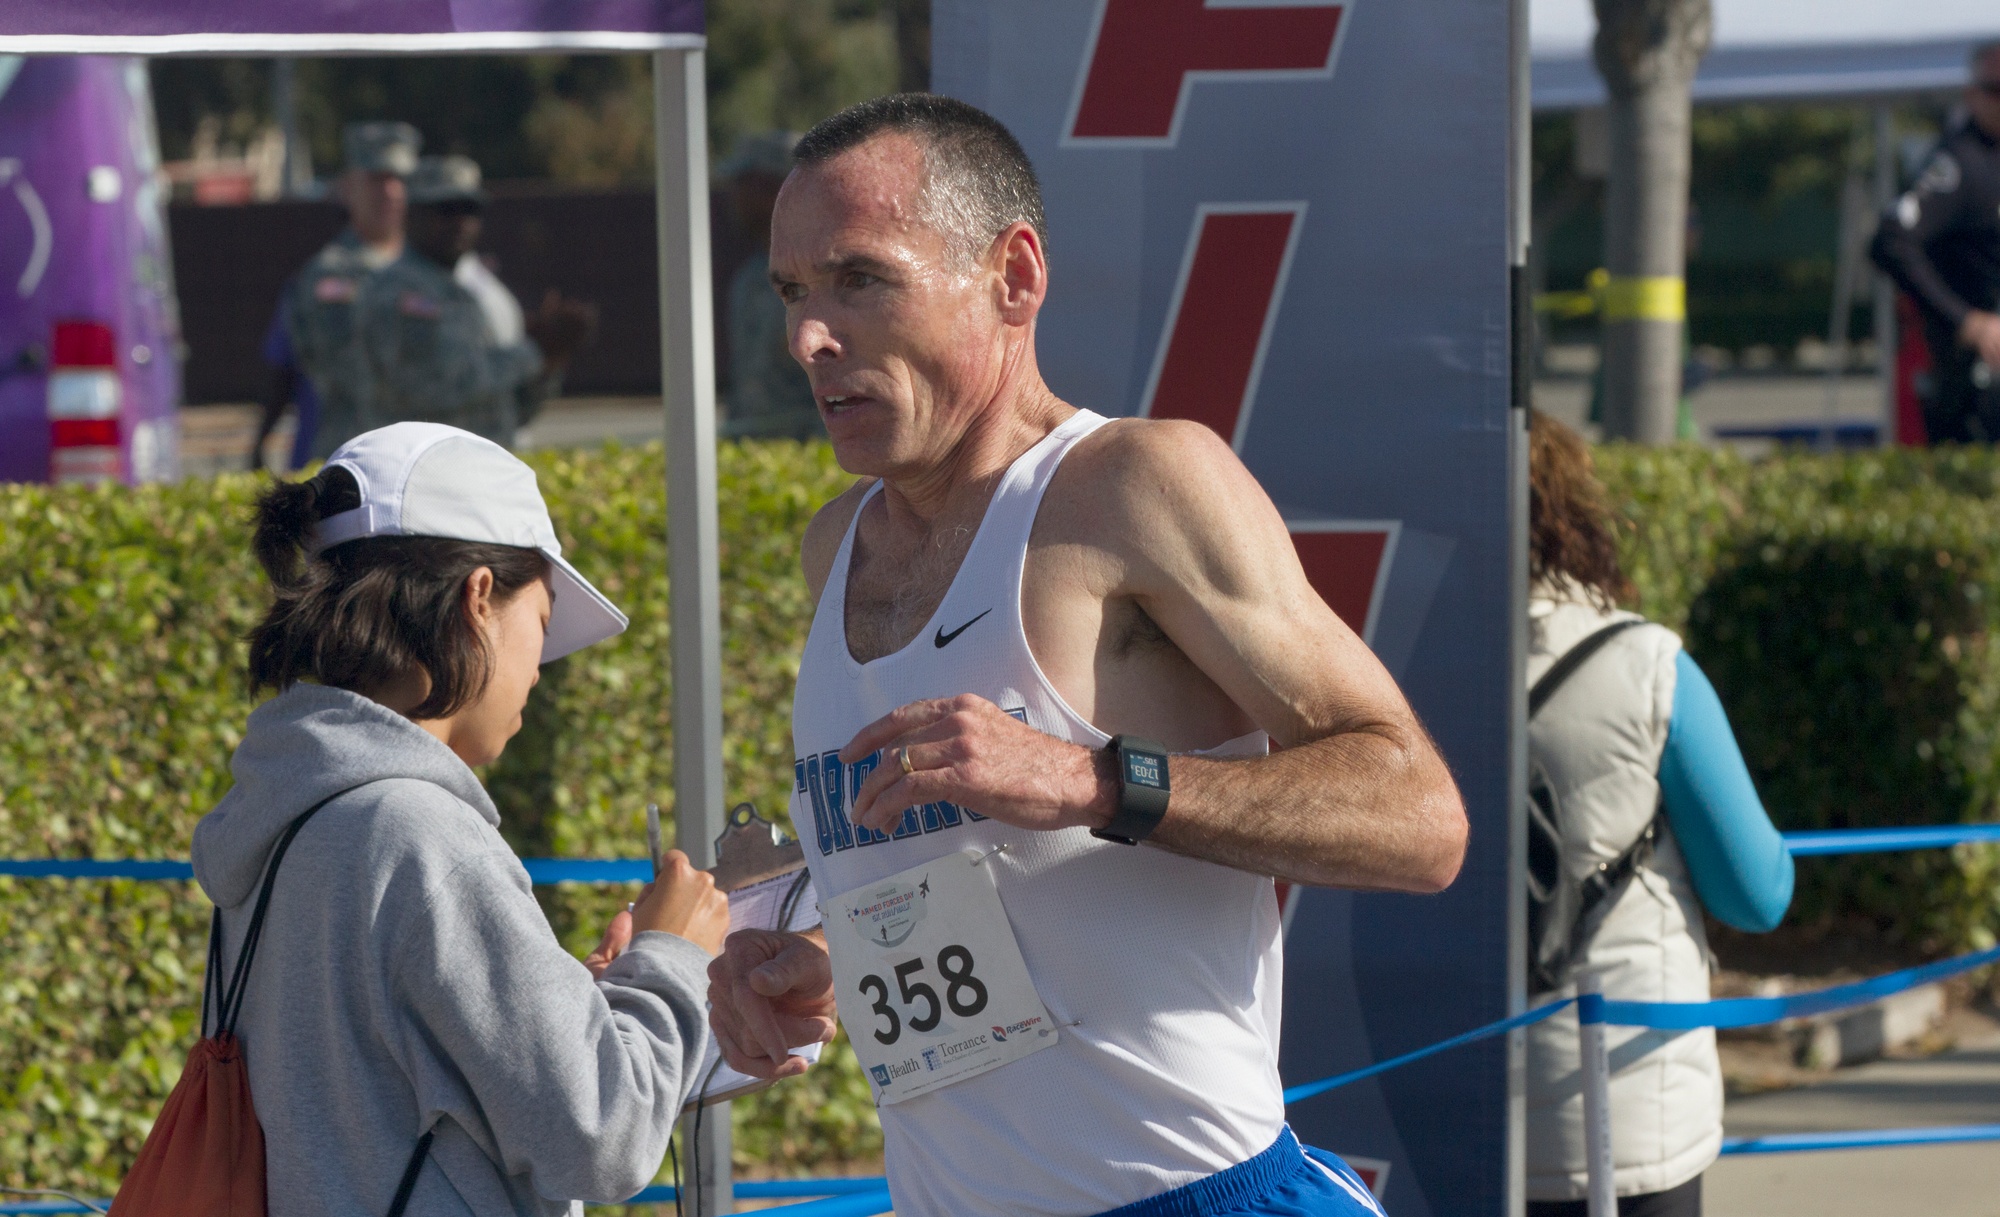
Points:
[1842,605]
[122,614]
[1844,608]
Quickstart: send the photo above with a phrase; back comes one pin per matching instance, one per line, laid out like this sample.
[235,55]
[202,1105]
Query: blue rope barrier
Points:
[540,870]
[780,1189]
[864,1204]
[91,868]
[1307,1090]
[1757,1011]
[843,1197]
[865,1197]
[1876,1138]
[544,871]
[1883,840]
[639,870]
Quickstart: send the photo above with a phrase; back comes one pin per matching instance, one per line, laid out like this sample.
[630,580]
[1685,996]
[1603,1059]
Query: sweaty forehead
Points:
[871,188]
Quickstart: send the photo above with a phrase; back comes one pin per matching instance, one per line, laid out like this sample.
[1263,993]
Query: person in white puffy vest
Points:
[1636,775]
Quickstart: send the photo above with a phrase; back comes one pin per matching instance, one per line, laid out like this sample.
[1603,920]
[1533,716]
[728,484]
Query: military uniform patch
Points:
[335,289]
[416,304]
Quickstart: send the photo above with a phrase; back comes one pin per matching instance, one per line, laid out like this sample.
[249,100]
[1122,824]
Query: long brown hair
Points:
[1570,522]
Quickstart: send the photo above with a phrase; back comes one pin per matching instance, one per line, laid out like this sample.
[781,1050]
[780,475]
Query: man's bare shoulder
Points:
[1136,472]
[824,534]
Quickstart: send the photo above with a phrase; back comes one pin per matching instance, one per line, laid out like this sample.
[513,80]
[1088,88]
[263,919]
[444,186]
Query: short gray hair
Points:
[977,179]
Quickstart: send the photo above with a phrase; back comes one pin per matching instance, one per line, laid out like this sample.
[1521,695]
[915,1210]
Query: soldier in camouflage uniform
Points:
[312,346]
[430,350]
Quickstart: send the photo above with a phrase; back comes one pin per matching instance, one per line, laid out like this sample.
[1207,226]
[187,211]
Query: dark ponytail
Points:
[288,513]
[365,614]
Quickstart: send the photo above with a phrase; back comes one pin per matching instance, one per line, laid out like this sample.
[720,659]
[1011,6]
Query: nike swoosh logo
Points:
[943,639]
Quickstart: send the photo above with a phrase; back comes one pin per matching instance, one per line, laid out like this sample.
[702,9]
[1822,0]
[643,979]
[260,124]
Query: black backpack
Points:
[1561,909]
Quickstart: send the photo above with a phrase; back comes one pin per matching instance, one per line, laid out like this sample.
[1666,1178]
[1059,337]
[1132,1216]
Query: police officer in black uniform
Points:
[1941,243]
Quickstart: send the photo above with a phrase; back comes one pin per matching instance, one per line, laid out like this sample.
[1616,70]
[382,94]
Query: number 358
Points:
[963,992]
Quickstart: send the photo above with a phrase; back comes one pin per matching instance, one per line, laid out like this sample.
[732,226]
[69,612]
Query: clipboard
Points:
[763,873]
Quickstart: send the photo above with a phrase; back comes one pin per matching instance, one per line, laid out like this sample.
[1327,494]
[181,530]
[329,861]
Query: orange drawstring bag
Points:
[205,1155]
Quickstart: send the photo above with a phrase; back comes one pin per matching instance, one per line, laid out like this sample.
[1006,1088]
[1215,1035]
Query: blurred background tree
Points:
[1765,193]
[582,120]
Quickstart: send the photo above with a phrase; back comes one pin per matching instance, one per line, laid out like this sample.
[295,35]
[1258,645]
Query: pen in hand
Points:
[653,836]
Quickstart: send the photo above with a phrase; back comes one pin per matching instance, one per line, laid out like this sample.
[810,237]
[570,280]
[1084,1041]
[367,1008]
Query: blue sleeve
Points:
[1739,863]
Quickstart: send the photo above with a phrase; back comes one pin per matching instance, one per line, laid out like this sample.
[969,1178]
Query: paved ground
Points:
[215,438]
[1957,1087]
[1731,401]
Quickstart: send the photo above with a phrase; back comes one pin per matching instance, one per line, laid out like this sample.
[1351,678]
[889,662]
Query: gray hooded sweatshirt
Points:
[407,979]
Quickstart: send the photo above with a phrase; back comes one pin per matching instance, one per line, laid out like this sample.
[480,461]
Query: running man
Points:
[1037,631]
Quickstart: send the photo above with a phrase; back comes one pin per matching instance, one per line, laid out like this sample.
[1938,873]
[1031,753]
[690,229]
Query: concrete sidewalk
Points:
[1735,401]
[1961,1086]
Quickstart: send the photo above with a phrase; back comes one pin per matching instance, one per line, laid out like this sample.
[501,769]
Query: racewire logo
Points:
[1144,57]
[1000,1034]
[829,787]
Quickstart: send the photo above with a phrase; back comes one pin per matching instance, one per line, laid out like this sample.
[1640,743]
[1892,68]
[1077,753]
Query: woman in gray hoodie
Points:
[406,981]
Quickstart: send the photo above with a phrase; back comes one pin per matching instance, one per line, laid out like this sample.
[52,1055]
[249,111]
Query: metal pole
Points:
[1847,254]
[285,114]
[1602,1167]
[1886,338]
[1522,351]
[687,391]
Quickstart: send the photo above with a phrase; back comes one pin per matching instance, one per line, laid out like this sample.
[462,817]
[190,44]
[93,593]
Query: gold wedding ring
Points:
[903,757]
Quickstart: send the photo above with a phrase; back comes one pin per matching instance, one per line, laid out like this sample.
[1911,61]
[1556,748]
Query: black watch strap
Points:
[1140,766]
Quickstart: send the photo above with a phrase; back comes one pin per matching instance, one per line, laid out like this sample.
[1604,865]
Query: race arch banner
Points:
[310,27]
[1288,220]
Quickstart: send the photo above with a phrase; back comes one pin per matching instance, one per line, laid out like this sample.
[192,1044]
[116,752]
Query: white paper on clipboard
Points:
[757,907]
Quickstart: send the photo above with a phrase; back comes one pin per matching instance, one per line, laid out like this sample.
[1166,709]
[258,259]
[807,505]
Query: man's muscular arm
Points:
[1358,797]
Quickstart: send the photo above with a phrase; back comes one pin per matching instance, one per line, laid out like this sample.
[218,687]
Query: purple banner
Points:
[251,26]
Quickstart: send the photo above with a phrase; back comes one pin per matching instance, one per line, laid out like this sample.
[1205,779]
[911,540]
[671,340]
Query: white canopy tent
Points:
[1789,50]
[672,31]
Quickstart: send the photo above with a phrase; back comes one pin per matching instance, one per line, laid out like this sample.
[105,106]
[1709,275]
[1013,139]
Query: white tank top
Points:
[1164,974]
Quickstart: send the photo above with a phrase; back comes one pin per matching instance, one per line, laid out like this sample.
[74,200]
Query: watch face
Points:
[1146,769]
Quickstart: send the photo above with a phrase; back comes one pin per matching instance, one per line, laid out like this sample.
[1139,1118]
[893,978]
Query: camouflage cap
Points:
[383,147]
[446,179]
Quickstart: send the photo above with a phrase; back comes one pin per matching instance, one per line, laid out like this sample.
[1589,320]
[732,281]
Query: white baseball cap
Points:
[430,480]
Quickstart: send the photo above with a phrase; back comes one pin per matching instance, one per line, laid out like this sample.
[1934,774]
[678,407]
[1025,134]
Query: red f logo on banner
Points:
[1145,53]
[1219,321]
[1347,562]
[1211,354]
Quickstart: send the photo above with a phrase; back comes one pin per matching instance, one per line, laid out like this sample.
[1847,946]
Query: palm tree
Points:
[1647,52]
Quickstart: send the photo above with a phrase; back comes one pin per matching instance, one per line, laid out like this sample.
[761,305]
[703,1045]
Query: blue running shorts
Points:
[1286,1180]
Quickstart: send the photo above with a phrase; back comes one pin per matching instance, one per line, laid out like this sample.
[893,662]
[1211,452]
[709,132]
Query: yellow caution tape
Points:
[1645,298]
[1567,304]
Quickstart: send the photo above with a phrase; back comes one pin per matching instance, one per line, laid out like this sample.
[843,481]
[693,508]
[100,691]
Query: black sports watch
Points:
[1141,766]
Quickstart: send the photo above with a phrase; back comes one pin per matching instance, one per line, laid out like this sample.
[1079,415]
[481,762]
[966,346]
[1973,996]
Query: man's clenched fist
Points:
[768,993]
